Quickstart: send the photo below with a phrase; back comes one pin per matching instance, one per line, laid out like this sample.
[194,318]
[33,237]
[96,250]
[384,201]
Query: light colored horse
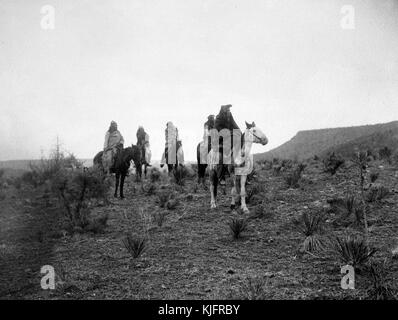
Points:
[242,165]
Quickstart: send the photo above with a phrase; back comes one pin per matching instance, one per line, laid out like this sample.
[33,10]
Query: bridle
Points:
[258,138]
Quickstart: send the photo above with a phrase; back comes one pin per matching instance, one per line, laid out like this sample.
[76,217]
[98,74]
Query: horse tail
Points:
[198,154]
[98,158]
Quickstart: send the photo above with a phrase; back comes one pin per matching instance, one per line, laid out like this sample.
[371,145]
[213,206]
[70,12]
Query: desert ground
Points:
[189,250]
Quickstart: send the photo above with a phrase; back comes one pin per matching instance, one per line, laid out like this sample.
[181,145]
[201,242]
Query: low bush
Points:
[293,177]
[135,245]
[332,163]
[76,190]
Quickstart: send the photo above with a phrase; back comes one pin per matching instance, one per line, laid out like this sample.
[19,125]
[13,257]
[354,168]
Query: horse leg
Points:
[123,176]
[139,172]
[201,173]
[145,171]
[117,184]
[243,194]
[213,188]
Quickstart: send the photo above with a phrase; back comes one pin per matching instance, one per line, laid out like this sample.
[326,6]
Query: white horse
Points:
[242,165]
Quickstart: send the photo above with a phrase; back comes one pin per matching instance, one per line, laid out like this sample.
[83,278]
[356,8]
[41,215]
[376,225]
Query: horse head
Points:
[255,134]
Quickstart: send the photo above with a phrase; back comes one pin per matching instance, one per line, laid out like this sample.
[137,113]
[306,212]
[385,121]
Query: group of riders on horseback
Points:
[224,150]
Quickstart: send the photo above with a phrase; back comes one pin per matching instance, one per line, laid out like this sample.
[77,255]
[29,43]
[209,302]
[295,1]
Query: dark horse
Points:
[122,165]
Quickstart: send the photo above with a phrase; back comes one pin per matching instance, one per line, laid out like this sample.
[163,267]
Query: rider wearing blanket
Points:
[112,146]
[225,120]
[143,144]
[173,145]
[208,126]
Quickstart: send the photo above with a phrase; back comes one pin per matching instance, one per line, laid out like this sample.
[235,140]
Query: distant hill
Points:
[306,144]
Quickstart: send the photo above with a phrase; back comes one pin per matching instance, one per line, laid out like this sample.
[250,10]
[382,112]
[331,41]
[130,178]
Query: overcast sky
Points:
[287,65]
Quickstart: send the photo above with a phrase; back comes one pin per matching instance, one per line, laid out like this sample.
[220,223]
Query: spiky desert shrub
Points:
[253,191]
[350,204]
[332,163]
[135,245]
[359,215]
[380,288]
[311,226]
[254,289]
[237,227]
[293,177]
[353,250]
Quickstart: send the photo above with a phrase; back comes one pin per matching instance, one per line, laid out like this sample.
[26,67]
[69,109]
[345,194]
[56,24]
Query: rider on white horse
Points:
[240,159]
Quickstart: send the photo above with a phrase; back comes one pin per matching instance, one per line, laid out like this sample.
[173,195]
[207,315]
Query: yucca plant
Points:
[254,191]
[332,163]
[353,251]
[350,204]
[135,245]
[237,227]
[358,214]
[254,289]
[310,226]
[293,177]
[311,223]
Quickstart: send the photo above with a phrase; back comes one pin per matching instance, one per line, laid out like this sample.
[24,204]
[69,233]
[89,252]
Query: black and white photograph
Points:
[204,151]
